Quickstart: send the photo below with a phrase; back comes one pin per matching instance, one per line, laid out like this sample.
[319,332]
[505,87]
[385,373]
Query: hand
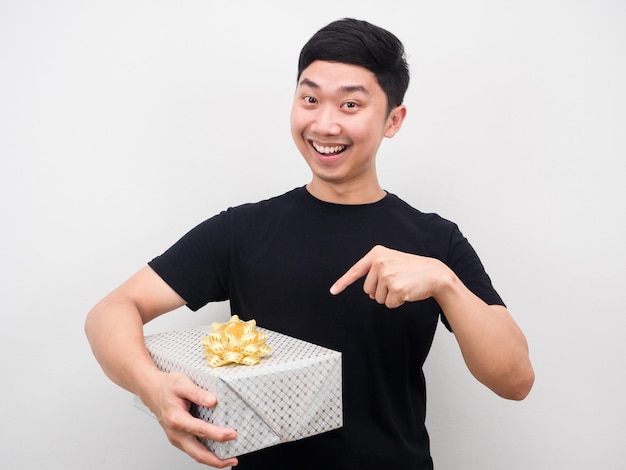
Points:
[394,277]
[175,394]
[493,346]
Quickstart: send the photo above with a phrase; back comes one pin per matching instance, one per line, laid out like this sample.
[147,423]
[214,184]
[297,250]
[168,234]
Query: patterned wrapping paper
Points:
[295,391]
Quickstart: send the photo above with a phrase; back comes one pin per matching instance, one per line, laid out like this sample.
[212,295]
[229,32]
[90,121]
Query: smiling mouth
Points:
[324,150]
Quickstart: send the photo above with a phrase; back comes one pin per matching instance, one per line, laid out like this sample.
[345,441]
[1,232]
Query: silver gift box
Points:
[294,392]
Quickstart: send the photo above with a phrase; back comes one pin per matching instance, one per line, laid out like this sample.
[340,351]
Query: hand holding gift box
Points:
[294,390]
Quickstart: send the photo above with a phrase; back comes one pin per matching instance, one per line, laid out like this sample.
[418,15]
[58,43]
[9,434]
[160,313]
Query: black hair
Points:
[358,42]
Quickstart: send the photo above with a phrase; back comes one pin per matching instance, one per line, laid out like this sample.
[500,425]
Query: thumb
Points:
[185,388]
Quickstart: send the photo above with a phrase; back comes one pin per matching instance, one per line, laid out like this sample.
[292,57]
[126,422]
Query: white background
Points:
[125,123]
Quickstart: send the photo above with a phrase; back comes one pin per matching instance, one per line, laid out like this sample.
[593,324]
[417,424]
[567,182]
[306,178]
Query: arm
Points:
[114,328]
[493,346]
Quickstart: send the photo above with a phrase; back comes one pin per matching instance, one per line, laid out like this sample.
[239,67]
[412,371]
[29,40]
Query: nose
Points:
[326,121]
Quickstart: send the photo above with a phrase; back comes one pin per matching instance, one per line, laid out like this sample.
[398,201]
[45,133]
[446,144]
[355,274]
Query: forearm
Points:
[114,329]
[493,346]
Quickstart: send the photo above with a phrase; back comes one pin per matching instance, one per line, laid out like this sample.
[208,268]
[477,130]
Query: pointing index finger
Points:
[357,271]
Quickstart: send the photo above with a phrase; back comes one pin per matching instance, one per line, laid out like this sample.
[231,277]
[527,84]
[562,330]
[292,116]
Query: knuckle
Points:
[177,378]
[172,421]
[388,278]
[197,395]
[174,439]
[196,455]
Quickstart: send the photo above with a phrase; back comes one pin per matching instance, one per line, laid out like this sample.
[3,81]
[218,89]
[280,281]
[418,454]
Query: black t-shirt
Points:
[275,261]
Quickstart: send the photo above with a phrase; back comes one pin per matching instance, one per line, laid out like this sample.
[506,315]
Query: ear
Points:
[395,120]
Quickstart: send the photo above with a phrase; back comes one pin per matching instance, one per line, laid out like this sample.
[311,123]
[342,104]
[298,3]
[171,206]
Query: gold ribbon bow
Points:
[237,342]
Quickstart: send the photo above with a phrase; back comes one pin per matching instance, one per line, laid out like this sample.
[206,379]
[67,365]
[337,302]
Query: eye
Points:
[310,100]
[350,105]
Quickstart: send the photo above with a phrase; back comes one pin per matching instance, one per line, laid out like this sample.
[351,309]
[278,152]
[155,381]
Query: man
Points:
[292,262]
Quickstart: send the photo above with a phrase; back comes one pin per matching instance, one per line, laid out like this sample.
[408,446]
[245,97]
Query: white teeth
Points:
[329,150]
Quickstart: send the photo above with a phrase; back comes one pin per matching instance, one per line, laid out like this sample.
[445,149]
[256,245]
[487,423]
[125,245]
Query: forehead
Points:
[339,77]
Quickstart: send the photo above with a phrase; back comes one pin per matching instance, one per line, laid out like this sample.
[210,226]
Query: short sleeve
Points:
[464,261]
[196,266]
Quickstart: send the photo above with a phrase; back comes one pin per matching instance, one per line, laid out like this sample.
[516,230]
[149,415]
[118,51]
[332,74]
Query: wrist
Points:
[446,286]
[147,378]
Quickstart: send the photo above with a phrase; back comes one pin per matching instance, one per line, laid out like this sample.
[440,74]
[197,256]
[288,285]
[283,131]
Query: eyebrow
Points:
[345,89]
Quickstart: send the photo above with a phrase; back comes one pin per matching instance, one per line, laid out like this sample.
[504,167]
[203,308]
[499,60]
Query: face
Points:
[338,120]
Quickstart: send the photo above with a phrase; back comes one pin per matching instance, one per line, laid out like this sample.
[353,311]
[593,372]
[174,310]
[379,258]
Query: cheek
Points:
[359,132]
[298,124]
[296,133]
[296,114]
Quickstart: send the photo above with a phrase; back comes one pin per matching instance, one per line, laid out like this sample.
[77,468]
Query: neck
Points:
[337,194]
